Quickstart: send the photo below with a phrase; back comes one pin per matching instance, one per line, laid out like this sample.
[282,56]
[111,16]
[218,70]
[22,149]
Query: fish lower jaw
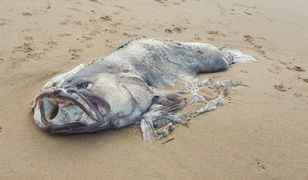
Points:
[57,117]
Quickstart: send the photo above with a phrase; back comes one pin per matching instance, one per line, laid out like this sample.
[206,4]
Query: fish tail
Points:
[234,56]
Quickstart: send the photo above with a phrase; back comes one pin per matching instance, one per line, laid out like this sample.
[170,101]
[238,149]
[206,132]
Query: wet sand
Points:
[261,134]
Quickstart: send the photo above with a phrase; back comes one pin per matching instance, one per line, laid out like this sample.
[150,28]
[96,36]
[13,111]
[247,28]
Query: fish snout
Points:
[57,113]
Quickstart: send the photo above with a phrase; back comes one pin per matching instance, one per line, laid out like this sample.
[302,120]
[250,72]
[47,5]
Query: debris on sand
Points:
[168,140]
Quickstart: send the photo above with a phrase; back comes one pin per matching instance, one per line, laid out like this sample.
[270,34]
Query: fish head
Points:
[73,106]
[88,102]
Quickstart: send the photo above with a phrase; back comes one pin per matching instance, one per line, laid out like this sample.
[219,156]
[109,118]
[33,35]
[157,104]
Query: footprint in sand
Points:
[75,53]
[1,60]
[137,28]
[74,9]
[214,34]
[304,79]
[130,35]
[273,71]
[221,9]
[110,30]
[276,69]
[120,7]
[160,1]
[250,40]
[245,6]
[280,87]
[24,53]
[165,2]
[92,20]
[210,38]
[89,45]
[178,29]
[28,38]
[127,34]
[260,164]
[48,5]
[233,12]
[64,35]
[247,13]
[95,1]
[168,31]
[95,32]
[105,18]
[116,13]
[25,48]
[119,10]
[84,38]
[77,23]
[296,68]
[3,21]
[115,24]
[297,94]
[248,10]
[26,14]
[187,21]
[65,22]
[52,44]
[175,28]
[196,37]
[108,43]
[285,63]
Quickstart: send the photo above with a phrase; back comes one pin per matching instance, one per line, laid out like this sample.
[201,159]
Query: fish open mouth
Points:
[59,111]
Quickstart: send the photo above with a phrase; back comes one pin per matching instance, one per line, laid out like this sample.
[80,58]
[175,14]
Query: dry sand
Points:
[261,134]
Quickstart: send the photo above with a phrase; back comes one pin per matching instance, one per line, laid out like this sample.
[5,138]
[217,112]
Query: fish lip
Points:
[63,129]
[79,99]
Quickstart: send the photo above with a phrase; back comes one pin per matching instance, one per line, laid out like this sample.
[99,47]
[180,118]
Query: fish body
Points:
[123,87]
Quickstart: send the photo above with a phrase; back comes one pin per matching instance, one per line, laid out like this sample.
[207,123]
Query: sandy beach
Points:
[261,134]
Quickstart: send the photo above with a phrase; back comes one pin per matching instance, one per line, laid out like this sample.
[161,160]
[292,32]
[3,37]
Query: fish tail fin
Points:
[234,56]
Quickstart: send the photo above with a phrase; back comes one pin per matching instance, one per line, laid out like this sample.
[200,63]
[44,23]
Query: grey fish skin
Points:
[159,62]
[115,91]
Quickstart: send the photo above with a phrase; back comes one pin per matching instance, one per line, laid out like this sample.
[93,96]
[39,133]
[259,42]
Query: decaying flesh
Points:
[129,86]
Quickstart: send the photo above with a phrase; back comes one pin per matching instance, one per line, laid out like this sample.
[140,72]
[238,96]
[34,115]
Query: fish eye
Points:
[84,85]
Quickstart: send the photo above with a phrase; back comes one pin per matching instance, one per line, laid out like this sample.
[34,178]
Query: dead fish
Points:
[127,87]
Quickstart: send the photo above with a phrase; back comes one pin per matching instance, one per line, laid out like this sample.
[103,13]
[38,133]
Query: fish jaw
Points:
[60,112]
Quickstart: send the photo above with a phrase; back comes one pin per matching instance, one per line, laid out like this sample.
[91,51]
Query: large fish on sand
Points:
[132,86]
